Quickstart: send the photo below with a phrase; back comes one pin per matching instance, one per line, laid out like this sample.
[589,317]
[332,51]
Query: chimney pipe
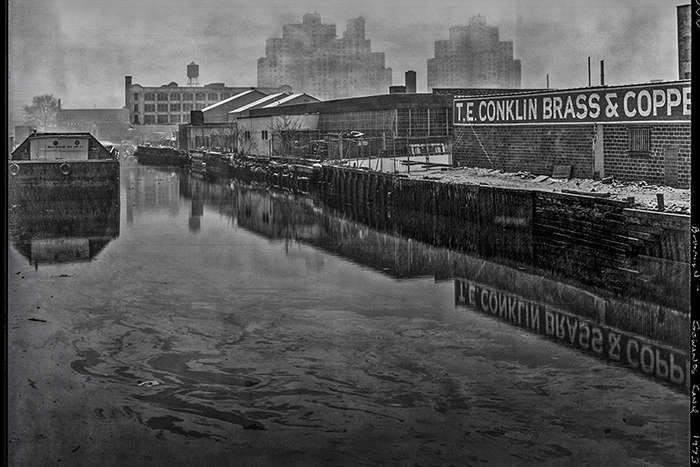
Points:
[602,72]
[547,80]
[59,104]
[127,85]
[589,72]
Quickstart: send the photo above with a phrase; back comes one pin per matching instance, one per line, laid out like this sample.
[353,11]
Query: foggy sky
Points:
[80,50]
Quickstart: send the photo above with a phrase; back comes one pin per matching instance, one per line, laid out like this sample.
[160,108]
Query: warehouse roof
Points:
[260,102]
[358,104]
[289,99]
[230,99]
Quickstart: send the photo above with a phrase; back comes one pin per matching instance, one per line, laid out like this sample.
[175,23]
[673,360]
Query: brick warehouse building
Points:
[170,104]
[634,132]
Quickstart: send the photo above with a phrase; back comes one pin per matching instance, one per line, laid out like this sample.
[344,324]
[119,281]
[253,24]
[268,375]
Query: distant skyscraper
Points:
[473,57]
[311,59]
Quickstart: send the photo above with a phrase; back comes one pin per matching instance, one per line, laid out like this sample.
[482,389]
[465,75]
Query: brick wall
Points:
[535,148]
[622,165]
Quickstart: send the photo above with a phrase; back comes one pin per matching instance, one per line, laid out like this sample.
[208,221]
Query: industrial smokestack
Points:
[602,72]
[410,82]
[59,104]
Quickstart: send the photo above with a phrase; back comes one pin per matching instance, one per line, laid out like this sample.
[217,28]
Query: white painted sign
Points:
[55,148]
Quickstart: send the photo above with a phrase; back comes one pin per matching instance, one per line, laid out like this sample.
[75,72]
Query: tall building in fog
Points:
[473,57]
[311,59]
[683,30]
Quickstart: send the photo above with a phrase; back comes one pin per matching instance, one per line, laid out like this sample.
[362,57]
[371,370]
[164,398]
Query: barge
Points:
[61,165]
[161,156]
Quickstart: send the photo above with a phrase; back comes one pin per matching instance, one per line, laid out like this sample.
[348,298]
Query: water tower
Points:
[192,74]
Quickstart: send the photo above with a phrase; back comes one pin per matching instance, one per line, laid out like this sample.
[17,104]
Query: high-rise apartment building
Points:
[473,57]
[310,58]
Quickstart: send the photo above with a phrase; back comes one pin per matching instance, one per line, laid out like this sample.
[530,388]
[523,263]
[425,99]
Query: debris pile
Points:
[676,200]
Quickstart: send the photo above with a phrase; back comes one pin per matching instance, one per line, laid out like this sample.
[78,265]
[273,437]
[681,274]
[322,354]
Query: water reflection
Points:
[65,230]
[280,215]
[274,312]
[149,190]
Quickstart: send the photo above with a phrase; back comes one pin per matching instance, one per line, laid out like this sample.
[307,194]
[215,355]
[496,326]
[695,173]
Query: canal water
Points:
[194,322]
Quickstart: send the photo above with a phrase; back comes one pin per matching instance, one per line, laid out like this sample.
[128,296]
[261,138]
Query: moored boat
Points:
[54,164]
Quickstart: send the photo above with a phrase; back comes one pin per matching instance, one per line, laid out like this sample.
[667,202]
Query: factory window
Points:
[225,96]
[149,96]
[136,119]
[136,107]
[198,106]
[264,134]
[187,96]
[162,119]
[149,119]
[174,119]
[186,118]
[149,107]
[174,96]
[199,96]
[162,107]
[639,140]
[213,96]
[174,107]
[246,134]
[186,107]
[162,96]
[136,96]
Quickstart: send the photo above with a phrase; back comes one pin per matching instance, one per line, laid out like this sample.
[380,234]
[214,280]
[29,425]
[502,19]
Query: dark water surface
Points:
[219,324]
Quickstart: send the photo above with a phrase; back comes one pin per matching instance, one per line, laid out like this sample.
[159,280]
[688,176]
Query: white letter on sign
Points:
[659,100]
[594,105]
[673,99]
[631,112]
[644,96]
[470,111]
[547,108]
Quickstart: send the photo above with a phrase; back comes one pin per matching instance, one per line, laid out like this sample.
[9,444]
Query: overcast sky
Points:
[80,50]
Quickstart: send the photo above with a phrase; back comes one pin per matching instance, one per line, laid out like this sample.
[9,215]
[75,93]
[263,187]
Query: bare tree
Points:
[285,131]
[43,110]
[246,145]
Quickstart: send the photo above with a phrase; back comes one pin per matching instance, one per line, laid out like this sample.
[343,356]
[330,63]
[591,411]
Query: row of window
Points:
[170,108]
[185,96]
[160,119]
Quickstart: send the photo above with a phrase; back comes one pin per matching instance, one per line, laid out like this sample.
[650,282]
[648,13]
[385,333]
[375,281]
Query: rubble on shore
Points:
[676,200]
